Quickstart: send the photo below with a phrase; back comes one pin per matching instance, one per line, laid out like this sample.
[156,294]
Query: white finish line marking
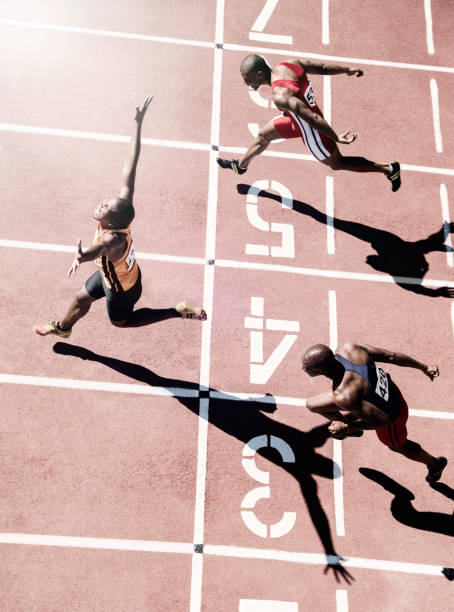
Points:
[436,115]
[301,558]
[429,29]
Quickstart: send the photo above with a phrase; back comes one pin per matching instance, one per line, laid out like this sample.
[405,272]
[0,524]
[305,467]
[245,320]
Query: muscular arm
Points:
[108,245]
[400,359]
[323,68]
[285,100]
[129,169]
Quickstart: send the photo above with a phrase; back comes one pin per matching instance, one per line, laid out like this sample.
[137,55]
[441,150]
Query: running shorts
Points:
[394,434]
[291,126]
[119,305]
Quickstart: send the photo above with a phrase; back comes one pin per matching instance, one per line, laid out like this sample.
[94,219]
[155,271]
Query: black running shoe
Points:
[435,474]
[232,164]
[394,176]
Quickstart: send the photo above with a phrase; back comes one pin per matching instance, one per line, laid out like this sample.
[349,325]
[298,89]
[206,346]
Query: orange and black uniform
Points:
[119,281]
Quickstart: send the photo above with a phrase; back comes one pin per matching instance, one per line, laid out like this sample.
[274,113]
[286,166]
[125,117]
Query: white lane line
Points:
[227,46]
[436,115]
[257,397]
[97,543]
[138,389]
[338,274]
[446,224]
[452,317]
[338,58]
[62,248]
[96,385]
[327,97]
[227,263]
[330,244]
[432,414]
[320,559]
[128,35]
[46,131]
[325,22]
[179,144]
[338,476]
[217,550]
[305,157]
[341,600]
[208,294]
[429,29]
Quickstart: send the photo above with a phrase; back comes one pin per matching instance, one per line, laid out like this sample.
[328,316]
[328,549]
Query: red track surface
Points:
[124,463]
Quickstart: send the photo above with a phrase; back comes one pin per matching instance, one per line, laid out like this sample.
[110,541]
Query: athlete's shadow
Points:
[403,511]
[402,259]
[245,420]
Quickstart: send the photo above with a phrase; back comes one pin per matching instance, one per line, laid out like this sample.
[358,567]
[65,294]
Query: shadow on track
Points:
[403,511]
[245,420]
[397,257]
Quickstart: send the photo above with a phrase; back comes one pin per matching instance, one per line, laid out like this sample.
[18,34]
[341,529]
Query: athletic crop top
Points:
[122,274]
[384,393]
[301,86]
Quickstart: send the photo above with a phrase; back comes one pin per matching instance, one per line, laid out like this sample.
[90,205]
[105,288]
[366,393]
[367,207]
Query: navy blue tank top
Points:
[384,393]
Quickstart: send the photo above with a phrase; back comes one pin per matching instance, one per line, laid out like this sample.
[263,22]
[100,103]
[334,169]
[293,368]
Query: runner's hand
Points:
[338,428]
[431,371]
[345,138]
[77,259]
[357,71]
[140,111]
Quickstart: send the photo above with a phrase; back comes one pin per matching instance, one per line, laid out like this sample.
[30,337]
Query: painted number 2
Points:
[257,33]
[285,525]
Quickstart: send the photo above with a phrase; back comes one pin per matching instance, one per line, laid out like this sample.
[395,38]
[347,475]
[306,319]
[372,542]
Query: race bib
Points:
[309,95]
[131,256]
[382,388]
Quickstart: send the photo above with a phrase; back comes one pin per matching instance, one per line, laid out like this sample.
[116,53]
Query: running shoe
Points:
[434,474]
[53,327]
[232,164]
[190,312]
[394,176]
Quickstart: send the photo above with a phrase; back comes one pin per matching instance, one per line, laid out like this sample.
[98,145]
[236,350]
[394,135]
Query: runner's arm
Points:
[285,100]
[400,359]
[323,68]
[129,169]
[105,246]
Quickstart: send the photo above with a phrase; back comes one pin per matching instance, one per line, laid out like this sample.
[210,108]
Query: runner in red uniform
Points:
[118,277]
[364,396]
[301,117]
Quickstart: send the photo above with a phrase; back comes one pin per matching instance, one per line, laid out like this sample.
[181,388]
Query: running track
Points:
[136,471]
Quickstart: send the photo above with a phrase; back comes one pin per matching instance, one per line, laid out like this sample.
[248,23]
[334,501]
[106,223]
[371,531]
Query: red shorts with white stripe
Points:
[395,433]
[290,125]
